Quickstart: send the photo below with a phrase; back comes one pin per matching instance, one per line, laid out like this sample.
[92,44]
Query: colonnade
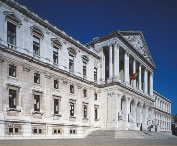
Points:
[163,105]
[136,112]
[163,121]
[114,69]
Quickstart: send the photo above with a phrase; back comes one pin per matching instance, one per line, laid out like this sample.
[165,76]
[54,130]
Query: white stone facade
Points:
[53,86]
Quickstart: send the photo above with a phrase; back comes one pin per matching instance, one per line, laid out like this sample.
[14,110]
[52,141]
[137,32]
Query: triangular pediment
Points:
[136,39]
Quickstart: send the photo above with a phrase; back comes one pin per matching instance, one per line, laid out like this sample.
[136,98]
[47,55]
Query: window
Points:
[56,84]
[34,130]
[12,70]
[36,46]
[73,131]
[55,54]
[84,68]
[57,131]
[12,98]
[96,113]
[37,131]
[95,74]
[71,63]
[71,109]
[56,106]
[36,78]
[16,130]
[11,33]
[85,111]
[85,92]
[72,89]
[96,98]
[36,102]
[10,130]
[13,130]
[40,131]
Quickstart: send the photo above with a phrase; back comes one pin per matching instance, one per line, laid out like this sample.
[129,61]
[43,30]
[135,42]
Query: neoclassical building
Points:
[53,86]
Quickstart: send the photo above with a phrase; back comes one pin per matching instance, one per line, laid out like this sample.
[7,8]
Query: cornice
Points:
[155,92]
[49,26]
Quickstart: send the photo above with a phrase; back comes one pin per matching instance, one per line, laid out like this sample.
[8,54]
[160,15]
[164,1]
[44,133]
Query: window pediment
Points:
[85,58]
[72,51]
[37,31]
[13,18]
[56,42]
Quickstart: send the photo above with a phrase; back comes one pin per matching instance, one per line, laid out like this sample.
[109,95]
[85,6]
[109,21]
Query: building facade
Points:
[53,86]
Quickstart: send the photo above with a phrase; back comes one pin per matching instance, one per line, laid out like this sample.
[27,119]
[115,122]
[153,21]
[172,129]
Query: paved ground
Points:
[107,137]
[94,141]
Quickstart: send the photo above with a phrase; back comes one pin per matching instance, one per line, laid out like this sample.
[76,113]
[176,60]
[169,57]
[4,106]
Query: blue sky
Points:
[157,19]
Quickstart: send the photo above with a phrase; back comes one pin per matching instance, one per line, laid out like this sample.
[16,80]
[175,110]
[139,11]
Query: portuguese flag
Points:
[133,76]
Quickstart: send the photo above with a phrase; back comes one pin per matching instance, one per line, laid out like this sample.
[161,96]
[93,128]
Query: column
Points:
[126,68]
[116,61]
[151,84]
[110,61]
[134,71]
[1,94]
[145,81]
[102,65]
[139,78]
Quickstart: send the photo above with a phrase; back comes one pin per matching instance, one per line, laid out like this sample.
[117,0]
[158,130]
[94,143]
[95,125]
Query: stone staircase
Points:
[129,134]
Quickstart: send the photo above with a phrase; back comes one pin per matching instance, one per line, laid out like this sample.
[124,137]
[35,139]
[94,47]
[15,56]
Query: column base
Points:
[116,79]
[110,80]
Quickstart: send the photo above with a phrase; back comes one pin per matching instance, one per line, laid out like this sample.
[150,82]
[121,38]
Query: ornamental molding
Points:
[56,42]
[13,18]
[37,31]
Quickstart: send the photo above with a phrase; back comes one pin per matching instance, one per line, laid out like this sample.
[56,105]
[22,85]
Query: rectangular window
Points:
[85,92]
[96,113]
[36,46]
[56,106]
[12,70]
[12,98]
[16,130]
[56,84]
[96,98]
[11,33]
[40,131]
[10,130]
[72,89]
[95,74]
[36,102]
[71,109]
[85,111]
[84,69]
[55,54]
[71,63]
[36,78]
[35,131]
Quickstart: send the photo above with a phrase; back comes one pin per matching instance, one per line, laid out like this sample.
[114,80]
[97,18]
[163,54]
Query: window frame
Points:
[12,40]
[14,102]
[37,108]
[84,68]
[95,73]
[36,45]
[56,84]
[37,81]
[71,63]
[12,70]
[71,89]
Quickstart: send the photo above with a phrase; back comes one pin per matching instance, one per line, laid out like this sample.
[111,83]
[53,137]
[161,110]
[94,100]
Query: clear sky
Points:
[157,19]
